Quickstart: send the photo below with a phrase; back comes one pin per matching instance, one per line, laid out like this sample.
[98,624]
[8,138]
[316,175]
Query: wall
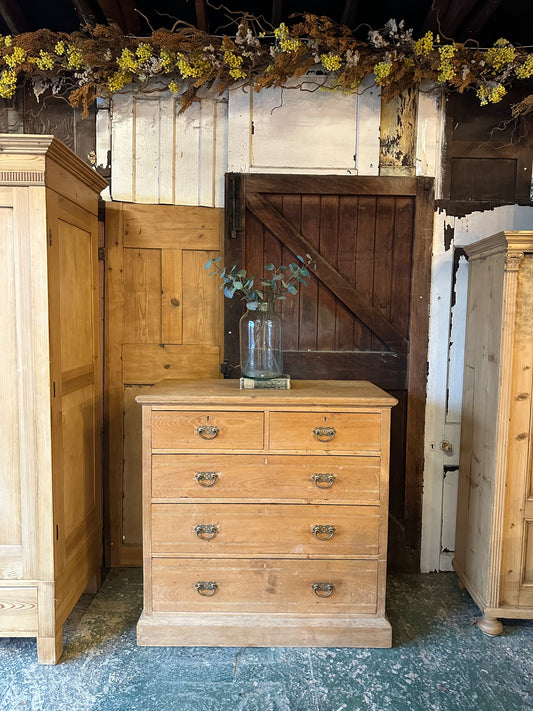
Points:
[161,156]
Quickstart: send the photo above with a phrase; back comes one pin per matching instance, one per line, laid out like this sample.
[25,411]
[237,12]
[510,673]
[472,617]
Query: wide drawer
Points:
[18,611]
[314,586]
[251,530]
[176,429]
[270,478]
[326,431]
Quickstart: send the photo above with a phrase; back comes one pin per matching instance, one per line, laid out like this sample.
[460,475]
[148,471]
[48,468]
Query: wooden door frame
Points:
[238,186]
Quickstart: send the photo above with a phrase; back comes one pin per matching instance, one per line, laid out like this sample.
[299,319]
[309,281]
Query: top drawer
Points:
[326,431]
[176,429]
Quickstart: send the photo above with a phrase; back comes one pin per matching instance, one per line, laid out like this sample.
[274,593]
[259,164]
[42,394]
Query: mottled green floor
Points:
[439,661]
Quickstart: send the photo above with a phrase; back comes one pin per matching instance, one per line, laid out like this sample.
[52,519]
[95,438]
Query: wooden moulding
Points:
[262,630]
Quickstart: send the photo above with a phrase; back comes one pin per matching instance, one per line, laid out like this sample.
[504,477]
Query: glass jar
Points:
[260,343]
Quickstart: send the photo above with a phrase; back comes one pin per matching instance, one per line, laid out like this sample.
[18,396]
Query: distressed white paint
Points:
[430,133]
[239,130]
[103,140]
[449,508]
[295,128]
[368,127]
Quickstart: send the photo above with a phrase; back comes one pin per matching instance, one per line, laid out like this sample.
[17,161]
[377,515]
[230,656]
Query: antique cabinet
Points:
[265,514]
[494,537]
[50,388]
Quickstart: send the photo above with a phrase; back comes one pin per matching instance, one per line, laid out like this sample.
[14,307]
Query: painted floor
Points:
[440,661]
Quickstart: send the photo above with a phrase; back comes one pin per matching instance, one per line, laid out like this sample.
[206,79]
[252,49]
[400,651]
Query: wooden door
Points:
[76,383]
[365,313]
[163,319]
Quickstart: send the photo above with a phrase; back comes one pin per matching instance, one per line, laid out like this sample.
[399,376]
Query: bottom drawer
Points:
[18,611]
[245,585]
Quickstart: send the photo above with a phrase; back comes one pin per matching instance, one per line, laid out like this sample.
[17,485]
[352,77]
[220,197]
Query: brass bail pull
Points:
[323,481]
[206,531]
[206,478]
[323,589]
[324,434]
[206,588]
[324,533]
[207,431]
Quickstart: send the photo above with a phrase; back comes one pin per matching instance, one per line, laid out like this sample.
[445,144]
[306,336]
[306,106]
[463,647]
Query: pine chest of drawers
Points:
[265,514]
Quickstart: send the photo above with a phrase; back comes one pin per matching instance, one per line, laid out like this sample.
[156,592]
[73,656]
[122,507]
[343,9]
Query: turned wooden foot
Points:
[50,649]
[490,625]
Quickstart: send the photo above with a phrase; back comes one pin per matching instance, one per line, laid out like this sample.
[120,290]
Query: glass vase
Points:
[260,343]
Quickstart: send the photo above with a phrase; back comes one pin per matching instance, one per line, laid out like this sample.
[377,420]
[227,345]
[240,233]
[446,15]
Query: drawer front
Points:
[270,478]
[314,586]
[175,429]
[326,431]
[18,611]
[250,530]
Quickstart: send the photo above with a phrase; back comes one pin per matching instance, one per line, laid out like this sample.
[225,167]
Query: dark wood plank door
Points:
[364,313]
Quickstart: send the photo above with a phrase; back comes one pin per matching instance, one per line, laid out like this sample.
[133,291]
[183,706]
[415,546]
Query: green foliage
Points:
[283,280]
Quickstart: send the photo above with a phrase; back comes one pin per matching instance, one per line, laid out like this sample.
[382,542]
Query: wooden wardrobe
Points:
[50,388]
[494,537]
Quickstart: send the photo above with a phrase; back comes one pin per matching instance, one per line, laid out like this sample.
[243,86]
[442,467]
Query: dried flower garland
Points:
[100,61]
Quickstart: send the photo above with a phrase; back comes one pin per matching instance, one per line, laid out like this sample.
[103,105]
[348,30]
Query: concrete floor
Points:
[440,661]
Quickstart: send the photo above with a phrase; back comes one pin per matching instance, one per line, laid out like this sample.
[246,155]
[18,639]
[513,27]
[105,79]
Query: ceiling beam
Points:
[202,18]
[435,15]
[86,11]
[13,16]
[123,13]
[349,13]
[474,24]
[277,6]
[457,12]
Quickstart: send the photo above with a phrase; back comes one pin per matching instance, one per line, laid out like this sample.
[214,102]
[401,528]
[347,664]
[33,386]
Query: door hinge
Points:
[234,205]
[101,254]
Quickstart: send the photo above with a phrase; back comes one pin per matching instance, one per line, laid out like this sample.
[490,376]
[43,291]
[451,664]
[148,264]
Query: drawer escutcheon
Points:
[206,588]
[324,533]
[206,478]
[323,481]
[207,431]
[323,589]
[206,531]
[324,434]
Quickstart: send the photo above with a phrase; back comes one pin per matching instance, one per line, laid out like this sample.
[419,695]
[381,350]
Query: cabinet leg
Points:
[94,583]
[491,626]
[50,649]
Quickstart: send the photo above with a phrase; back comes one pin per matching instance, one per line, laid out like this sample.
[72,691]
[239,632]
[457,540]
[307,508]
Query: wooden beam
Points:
[457,13]
[85,11]
[13,16]
[349,13]
[329,276]
[123,13]
[435,15]
[276,12]
[479,18]
[202,19]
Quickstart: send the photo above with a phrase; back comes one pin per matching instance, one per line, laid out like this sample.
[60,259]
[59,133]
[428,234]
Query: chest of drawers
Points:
[265,514]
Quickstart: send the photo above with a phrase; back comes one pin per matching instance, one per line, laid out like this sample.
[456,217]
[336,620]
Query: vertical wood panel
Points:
[367,135]
[147,150]
[329,215]
[167,149]
[309,297]
[291,208]
[142,307]
[188,156]
[122,142]
[201,300]
[10,522]
[171,296]
[348,211]
[402,262]
[364,263]
[381,297]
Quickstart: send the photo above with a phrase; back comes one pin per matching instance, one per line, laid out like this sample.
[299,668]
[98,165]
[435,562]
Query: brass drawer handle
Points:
[323,481]
[206,588]
[323,589]
[207,431]
[206,478]
[324,533]
[324,434]
[206,531]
